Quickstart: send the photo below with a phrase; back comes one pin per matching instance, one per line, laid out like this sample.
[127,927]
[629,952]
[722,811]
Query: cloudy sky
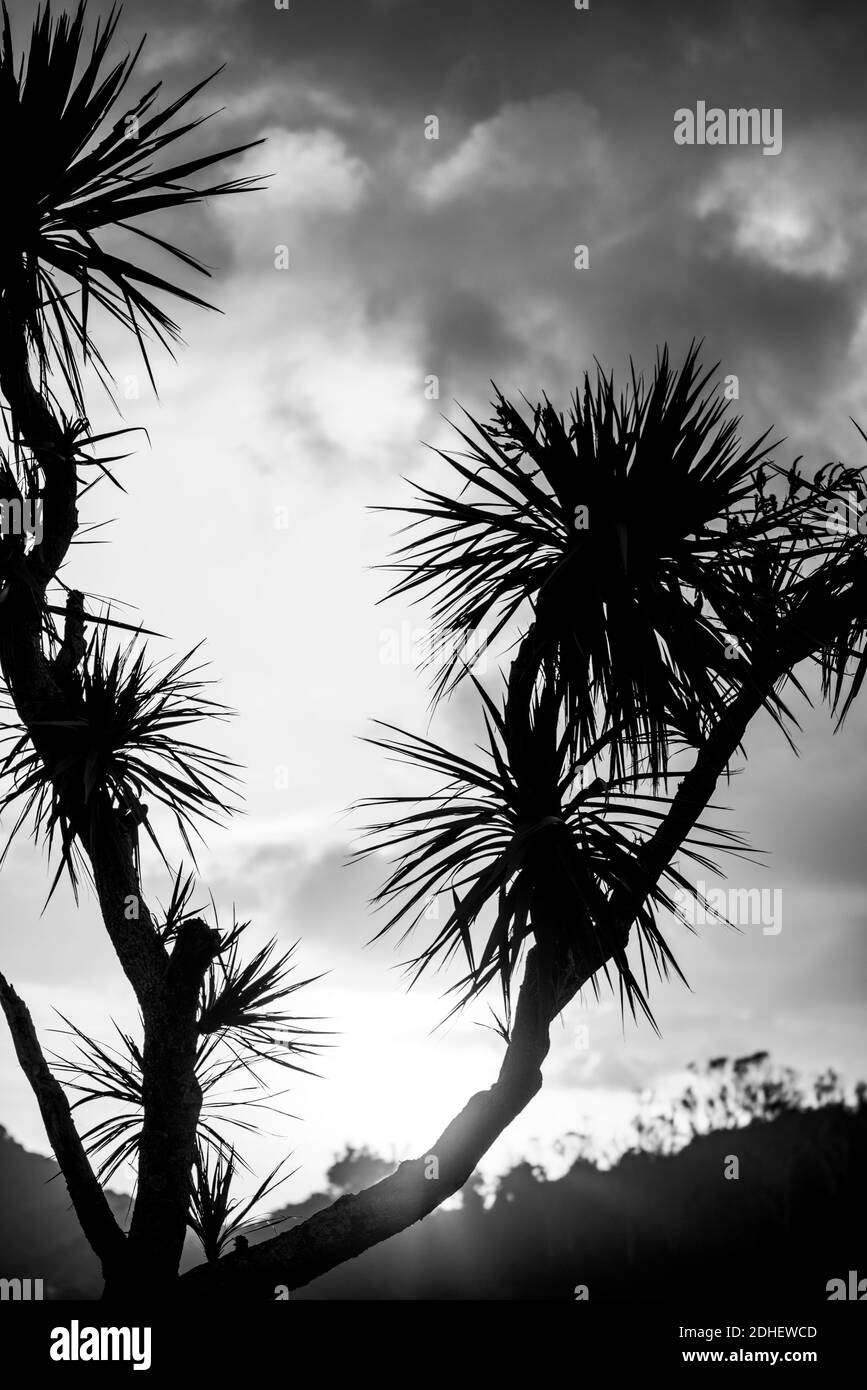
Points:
[303,404]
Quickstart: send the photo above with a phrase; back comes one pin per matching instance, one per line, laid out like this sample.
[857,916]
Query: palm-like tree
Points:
[645,638]
[100,731]
[652,572]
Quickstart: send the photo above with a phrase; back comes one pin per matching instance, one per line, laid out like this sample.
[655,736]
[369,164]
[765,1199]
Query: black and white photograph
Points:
[433,680]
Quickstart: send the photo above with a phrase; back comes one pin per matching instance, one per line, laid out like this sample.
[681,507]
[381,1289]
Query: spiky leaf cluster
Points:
[649,569]
[242,1024]
[82,159]
[216,1217]
[119,750]
[622,531]
[525,843]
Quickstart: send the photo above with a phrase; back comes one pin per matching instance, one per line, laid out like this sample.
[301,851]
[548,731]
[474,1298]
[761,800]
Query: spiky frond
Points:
[240,1030]
[242,1001]
[102,1073]
[122,745]
[72,447]
[839,582]
[519,837]
[113,1074]
[619,527]
[82,158]
[843,660]
[217,1217]
[179,907]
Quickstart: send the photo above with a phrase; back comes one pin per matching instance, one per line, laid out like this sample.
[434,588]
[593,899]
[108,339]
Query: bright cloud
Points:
[310,173]
[805,216]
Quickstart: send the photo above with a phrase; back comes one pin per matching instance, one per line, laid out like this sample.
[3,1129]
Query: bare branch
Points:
[354,1223]
[91,1205]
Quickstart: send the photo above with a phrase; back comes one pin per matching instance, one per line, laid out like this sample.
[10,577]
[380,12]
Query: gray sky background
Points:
[455,257]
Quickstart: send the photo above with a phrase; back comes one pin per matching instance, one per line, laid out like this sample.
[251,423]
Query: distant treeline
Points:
[747,1185]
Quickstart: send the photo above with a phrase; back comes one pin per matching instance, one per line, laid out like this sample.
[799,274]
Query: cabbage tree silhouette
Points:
[101,728]
[663,594]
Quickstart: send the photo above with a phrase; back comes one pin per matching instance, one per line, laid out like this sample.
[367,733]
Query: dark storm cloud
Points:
[464,328]
[397,54]
[478,55]
[556,127]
